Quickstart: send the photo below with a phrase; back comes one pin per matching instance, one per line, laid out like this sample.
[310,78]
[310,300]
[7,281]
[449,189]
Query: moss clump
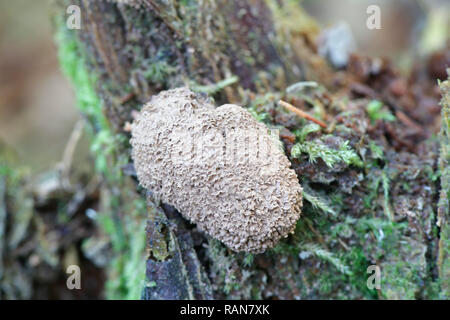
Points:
[376,112]
[318,149]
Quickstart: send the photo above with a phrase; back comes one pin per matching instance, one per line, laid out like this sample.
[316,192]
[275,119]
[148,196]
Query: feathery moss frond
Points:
[317,149]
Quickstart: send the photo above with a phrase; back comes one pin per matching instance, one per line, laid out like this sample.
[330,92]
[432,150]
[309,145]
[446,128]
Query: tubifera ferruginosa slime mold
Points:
[218,167]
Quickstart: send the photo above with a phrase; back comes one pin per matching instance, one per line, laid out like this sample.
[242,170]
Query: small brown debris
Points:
[301,113]
[126,98]
[408,121]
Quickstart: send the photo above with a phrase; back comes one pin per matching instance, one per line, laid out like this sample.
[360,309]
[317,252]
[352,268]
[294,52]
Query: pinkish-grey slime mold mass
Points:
[219,167]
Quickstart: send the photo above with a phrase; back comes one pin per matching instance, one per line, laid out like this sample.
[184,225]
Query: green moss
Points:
[399,281]
[444,262]
[318,149]
[375,111]
[342,242]
[443,212]
[126,232]
[248,259]
[325,255]
[358,279]
[317,201]
[213,88]
[158,71]
[305,130]
[387,205]
[370,197]
[376,150]
[260,105]
[224,267]
[73,66]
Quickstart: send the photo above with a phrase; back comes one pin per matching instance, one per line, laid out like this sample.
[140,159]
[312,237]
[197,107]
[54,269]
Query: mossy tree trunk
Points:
[248,52]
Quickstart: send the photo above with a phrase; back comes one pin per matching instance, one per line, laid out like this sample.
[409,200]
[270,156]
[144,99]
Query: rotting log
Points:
[134,53]
[371,179]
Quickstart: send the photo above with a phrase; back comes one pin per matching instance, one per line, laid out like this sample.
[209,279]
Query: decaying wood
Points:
[371,183]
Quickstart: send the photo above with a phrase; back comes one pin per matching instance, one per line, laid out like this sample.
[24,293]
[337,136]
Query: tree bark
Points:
[238,51]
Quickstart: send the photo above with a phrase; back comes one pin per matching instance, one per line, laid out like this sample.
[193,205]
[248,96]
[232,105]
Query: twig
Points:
[318,235]
[69,151]
[301,113]
[408,121]
[126,98]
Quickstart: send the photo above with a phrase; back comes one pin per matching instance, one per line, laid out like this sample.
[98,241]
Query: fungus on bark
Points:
[218,167]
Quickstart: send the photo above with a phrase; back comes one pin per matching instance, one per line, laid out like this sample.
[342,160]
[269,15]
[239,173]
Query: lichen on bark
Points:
[443,210]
